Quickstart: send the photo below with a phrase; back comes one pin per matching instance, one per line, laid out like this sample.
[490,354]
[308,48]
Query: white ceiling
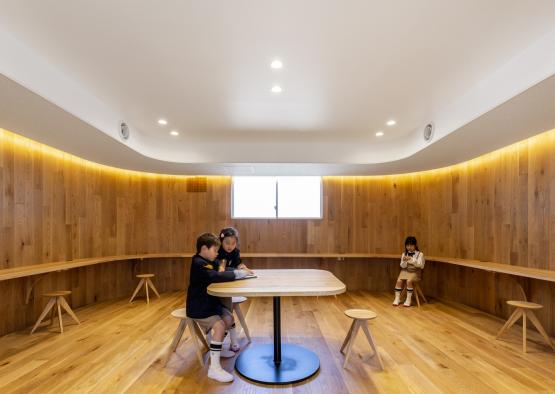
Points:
[204,66]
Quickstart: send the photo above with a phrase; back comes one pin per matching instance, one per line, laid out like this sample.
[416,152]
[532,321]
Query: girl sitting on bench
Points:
[412,263]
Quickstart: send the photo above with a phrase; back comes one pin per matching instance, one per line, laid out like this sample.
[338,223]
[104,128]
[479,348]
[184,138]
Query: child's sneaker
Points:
[397,299]
[227,353]
[409,299]
[219,374]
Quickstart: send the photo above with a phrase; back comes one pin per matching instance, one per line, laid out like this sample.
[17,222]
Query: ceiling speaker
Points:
[124,131]
[428,132]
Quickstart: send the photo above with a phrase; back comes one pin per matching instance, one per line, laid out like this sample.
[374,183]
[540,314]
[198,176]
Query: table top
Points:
[281,282]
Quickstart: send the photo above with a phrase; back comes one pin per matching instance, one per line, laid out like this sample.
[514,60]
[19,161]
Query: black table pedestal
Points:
[276,363]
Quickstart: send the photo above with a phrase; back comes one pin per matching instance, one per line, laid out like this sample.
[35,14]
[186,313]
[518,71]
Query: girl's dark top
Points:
[232,259]
[200,304]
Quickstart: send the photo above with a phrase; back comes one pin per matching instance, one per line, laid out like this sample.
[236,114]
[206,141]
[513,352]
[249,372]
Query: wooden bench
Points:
[488,266]
[38,269]
[30,272]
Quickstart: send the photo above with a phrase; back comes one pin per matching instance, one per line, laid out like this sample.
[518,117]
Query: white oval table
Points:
[276,363]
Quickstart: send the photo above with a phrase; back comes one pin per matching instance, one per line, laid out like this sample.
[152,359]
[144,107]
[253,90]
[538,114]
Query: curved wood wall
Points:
[500,207]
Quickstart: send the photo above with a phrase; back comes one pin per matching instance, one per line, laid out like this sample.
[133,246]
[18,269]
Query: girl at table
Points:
[229,254]
[412,264]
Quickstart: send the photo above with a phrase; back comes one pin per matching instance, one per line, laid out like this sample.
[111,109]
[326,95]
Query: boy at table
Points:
[207,310]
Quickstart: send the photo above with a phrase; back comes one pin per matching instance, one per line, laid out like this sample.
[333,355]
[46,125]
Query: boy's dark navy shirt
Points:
[200,304]
[232,259]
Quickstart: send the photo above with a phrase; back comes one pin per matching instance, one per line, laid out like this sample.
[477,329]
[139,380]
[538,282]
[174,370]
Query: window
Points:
[284,197]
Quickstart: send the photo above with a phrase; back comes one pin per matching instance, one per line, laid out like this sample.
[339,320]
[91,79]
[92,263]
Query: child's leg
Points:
[221,333]
[409,293]
[218,331]
[227,304]
[216,371]
[398,289]
[230,325]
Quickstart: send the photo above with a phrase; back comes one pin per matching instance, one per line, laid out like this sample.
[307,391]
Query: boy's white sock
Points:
[409,297]
[397,296]
[215,352]
[216,371]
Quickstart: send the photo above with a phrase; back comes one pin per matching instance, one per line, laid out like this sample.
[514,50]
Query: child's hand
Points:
[240,274]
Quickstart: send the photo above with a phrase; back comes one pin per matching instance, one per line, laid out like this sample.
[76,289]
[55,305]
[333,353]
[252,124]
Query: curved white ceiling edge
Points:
[523,71]
[525,115]
[531,66]
[25,67]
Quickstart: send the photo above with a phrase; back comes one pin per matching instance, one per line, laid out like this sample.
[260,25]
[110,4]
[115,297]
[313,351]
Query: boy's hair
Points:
[229,232]
[208,240]
[411,241]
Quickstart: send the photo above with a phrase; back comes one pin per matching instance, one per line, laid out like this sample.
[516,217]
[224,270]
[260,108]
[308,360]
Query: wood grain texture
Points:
[500,207]
[281,282]
[44,268]
[120,347]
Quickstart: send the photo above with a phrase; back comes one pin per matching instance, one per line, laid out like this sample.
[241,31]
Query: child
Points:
[207,310]
[228,254]
[229,258]
[412,263]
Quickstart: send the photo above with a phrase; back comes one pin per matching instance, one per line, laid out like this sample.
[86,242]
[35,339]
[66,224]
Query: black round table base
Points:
[257,364]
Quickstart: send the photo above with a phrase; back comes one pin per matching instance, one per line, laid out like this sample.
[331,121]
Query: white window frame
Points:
[276,208]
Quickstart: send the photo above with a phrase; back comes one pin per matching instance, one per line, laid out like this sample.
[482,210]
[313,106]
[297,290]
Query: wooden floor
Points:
[441,348]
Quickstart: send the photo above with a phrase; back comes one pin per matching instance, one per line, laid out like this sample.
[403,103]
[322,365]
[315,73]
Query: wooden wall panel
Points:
[500,207]
[88,285]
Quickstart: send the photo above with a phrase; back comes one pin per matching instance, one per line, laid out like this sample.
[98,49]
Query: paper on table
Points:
[249,277]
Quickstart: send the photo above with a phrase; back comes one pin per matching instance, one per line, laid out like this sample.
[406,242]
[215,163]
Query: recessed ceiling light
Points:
[379,133]
[163,122]
[276,64]
[391,122]
[173,132]
[276,89]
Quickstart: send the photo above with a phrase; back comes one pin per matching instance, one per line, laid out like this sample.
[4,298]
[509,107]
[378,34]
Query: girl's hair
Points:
[229,232]
[411,241]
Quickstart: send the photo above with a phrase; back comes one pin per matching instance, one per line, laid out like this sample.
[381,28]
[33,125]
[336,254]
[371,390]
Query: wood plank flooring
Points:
[443,347]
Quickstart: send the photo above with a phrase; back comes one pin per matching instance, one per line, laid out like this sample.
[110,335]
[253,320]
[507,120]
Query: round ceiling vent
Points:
[428,132]
[124,131]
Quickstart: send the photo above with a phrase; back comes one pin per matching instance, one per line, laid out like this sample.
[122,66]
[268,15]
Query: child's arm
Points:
[404,263]
[419,261]
[238,262]
[207,273]
[242,266]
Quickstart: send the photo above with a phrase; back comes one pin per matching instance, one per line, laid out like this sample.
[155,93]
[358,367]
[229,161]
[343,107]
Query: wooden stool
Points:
[194,329]
[236,301]
[56,298]
[360,318]
[525,309]
[146,282]
[416,290]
